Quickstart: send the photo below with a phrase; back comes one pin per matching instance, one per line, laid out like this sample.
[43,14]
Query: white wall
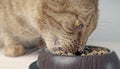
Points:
[108,28]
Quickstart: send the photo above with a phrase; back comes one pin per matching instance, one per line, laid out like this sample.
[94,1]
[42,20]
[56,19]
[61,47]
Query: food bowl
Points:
[47,60]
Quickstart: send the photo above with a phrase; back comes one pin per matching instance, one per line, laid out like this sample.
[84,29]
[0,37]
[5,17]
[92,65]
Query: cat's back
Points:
[17,18]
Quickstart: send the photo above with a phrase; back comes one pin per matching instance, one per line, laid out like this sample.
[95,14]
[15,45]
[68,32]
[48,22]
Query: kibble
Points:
[94,51]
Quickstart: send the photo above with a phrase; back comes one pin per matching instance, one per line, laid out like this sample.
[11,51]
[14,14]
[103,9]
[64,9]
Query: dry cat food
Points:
[93,51]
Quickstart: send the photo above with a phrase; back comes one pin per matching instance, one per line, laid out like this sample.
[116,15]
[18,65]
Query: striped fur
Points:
[64,25]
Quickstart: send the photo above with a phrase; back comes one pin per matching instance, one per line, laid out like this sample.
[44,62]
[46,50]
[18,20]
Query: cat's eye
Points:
[77,23]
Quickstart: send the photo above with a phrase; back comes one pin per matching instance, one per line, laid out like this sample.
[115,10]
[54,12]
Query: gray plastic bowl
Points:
[46,60]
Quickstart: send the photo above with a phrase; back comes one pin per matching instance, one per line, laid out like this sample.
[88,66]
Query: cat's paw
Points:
[13,50]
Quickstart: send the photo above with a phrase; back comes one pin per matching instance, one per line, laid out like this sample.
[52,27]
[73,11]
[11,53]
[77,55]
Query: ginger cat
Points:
[63,25]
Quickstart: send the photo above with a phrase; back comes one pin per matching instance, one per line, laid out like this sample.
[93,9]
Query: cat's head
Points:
[67,37]
[68,24]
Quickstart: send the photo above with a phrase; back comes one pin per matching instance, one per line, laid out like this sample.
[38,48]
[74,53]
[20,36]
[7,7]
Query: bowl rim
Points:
[110,52]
